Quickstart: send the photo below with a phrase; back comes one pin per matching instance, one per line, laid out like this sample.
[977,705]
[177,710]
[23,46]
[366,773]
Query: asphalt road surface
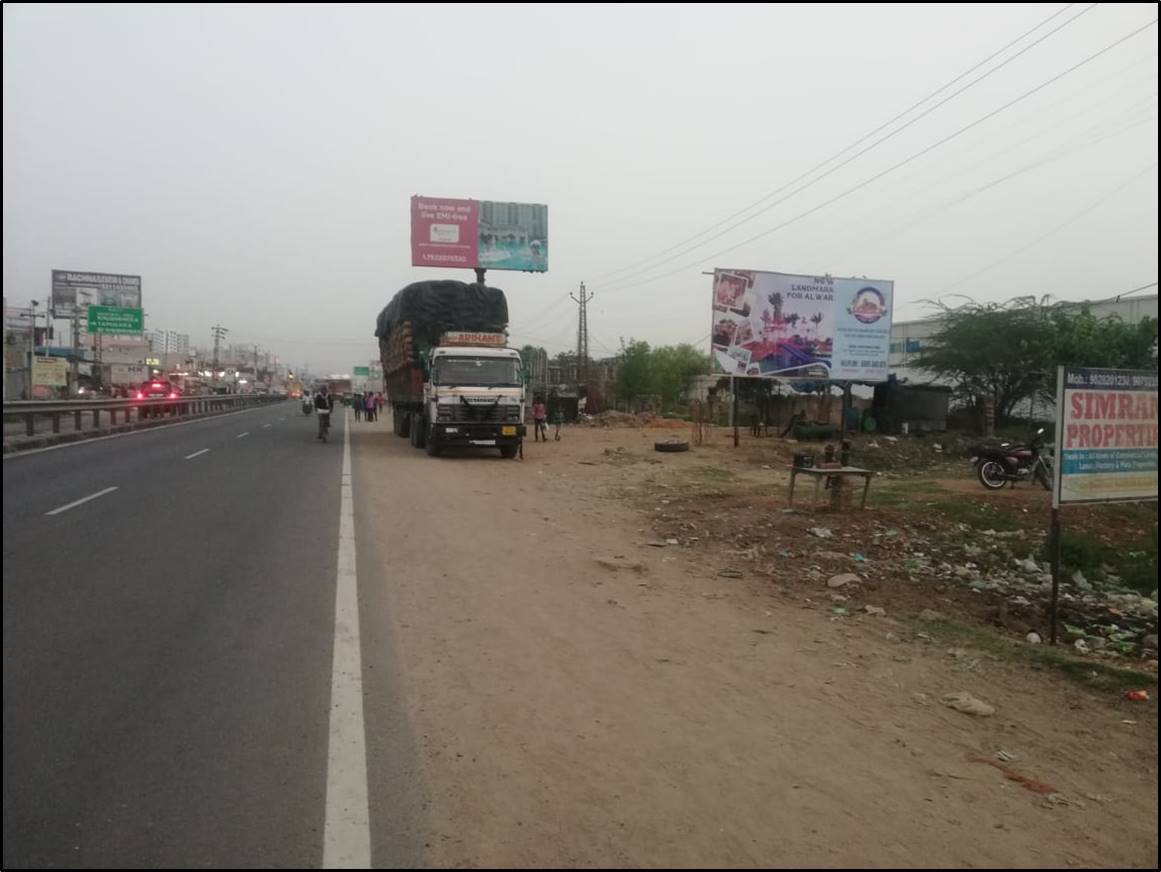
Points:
[169,637]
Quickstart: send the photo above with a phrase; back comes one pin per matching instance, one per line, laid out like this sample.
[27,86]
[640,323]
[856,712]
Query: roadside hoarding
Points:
[781,324]
[115,320]
[1106,436]
[473,233]
[72,292]
[48,374]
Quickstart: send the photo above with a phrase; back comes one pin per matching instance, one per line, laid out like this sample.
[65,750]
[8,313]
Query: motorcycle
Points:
[307,407]
[324,424]
[997,465]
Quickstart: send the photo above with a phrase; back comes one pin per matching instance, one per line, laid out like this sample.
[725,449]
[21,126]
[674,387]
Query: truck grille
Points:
[466,413]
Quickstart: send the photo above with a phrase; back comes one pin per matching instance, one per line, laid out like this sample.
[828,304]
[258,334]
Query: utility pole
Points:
[582,335]
[219,333]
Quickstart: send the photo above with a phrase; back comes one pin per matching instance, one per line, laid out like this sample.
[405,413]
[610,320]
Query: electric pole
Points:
[582,335]
[219,333]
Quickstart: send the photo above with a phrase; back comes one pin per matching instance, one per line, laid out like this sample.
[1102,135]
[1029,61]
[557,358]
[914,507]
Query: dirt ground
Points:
[586,694]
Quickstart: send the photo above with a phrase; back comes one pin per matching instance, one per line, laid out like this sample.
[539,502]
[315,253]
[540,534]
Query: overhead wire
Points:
[894,167]
[633,269]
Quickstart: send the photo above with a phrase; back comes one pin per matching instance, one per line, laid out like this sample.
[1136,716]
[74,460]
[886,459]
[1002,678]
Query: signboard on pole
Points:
[115,320]
[780,324]
[1106,436]
[72,292]
[361,371]
[49,372]
[474,234]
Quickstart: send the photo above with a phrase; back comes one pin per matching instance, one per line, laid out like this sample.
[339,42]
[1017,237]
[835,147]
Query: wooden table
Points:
[838,472]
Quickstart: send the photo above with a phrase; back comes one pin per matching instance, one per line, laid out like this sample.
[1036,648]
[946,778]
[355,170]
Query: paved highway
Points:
[169,639]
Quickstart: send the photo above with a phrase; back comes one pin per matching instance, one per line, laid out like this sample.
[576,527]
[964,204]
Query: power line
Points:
[1081,213]
[897,166]
[632,268]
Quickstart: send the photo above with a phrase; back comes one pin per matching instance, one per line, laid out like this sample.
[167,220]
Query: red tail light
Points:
[140,395]
[173,395]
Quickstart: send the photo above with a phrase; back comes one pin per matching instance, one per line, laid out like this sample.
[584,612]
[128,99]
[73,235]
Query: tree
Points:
[665,371]
[1009,351]
[634,370]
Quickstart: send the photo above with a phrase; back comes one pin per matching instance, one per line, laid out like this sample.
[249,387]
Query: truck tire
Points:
[509,451]
[402,423]
[419,431]
[671,445]
[433,447]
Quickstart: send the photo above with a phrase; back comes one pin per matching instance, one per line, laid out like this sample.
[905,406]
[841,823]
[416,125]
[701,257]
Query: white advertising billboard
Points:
[784,324]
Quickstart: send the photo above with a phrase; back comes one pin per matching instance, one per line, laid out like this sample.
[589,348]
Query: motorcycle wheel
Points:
[991,475]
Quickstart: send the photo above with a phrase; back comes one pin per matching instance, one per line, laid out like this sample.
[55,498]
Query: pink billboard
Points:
[444,232]
[479,233]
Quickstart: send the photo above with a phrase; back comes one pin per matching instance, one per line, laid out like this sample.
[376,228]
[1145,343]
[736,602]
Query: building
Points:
[167,342]
[907,337]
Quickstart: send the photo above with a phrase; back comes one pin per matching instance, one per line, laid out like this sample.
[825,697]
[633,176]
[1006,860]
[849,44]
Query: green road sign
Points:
[115,319]
[362,370]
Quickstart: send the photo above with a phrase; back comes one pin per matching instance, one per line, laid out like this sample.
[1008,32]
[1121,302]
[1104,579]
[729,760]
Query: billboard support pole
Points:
[734,408]
[1054,557]
[480,273]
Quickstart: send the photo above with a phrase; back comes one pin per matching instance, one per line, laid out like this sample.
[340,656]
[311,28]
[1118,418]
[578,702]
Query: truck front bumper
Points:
[478,434]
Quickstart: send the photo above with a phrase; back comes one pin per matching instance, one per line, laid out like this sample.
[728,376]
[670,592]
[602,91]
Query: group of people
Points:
[368,405]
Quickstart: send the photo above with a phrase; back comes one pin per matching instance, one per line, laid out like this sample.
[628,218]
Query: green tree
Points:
[1010,351]
[634,370]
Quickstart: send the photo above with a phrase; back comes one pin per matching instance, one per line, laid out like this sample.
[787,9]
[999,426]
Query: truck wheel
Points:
[402,422]
[419,431]
[508,451]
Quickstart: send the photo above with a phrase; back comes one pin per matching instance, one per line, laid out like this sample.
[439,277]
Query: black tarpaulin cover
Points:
[435,307]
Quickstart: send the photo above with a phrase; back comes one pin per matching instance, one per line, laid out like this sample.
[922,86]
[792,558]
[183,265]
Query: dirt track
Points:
[583,698]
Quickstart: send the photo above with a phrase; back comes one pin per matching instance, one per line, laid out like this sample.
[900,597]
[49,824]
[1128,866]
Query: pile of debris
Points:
[613,418]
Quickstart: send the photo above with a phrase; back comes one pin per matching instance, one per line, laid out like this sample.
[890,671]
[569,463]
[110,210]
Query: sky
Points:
[254,164]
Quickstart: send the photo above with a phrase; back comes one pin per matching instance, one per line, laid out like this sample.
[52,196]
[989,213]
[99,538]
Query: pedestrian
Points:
[557,420]
[357,405]
[539,420]
[369,403]
[380,402]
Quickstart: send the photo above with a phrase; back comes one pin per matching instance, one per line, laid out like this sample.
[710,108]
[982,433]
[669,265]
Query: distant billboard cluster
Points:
[481,234]
[779,324]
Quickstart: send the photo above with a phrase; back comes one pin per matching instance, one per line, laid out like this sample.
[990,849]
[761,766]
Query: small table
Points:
[836,472]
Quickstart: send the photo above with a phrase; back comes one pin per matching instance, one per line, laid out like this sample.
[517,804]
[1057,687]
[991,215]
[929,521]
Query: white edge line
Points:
[347,828]
[196,454]
[16,455]
[82,501]
[242,435]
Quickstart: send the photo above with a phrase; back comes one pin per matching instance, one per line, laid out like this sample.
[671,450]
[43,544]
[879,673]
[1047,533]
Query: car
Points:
[157,390]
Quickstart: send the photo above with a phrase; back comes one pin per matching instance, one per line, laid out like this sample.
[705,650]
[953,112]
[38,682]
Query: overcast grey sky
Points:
[254,163]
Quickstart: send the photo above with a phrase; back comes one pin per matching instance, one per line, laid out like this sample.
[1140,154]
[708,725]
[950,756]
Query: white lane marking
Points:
[347,831]
[79,502]
[196,454]
[242,435]
[264,426]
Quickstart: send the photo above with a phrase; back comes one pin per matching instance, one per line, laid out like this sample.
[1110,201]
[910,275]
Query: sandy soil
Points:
[584,698]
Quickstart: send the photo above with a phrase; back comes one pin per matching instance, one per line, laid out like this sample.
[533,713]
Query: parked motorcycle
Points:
[997,465]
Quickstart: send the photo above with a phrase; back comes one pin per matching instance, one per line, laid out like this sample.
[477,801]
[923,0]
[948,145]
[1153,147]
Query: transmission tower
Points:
[582,335]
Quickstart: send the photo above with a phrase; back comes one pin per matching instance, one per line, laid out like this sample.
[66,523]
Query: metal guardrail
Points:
[128,409]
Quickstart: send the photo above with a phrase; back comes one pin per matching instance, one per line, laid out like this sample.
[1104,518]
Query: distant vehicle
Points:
[157,390]
[450,377]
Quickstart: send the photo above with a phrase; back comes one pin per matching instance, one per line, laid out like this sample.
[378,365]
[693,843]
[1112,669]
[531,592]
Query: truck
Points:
[448,373]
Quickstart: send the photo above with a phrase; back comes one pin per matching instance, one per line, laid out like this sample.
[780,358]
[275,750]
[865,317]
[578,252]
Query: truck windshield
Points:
[497,372]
